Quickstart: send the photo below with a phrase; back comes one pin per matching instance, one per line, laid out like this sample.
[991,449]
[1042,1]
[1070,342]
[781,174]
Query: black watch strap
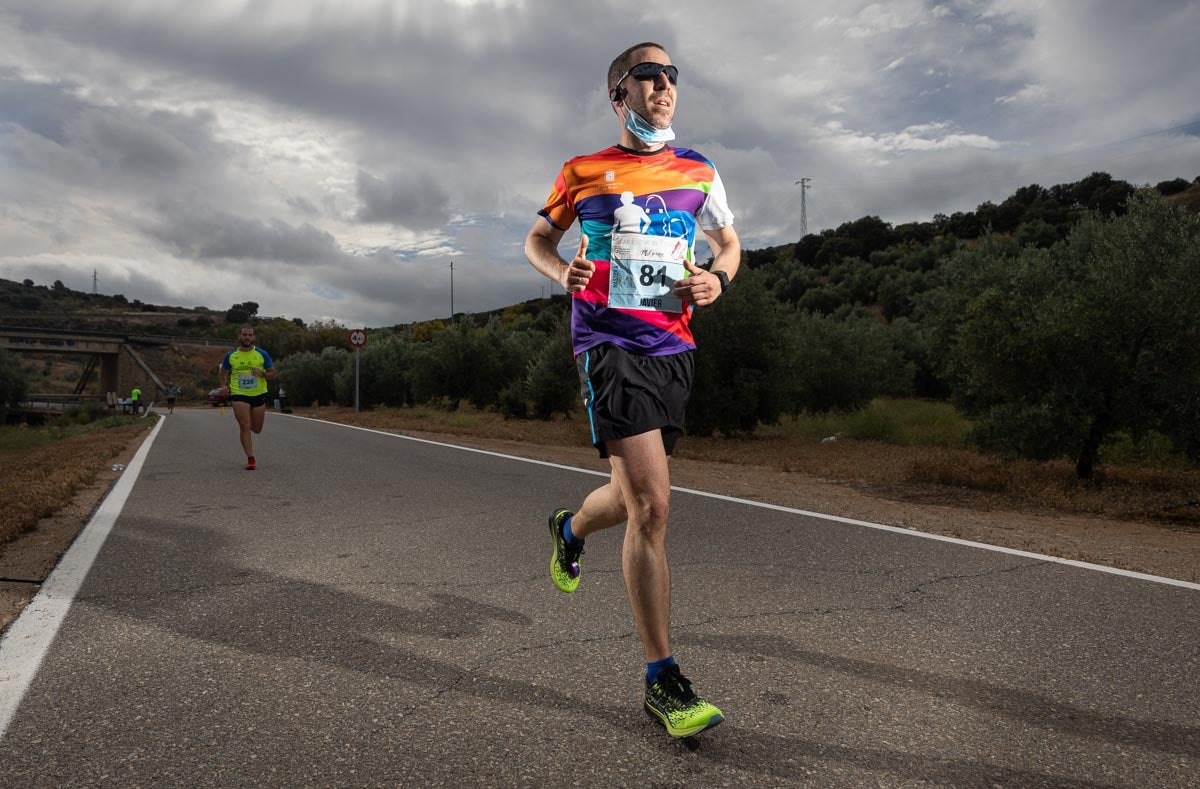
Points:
[724,278]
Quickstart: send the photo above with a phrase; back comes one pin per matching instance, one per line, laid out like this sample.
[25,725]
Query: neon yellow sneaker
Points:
[564,562]
[672,703]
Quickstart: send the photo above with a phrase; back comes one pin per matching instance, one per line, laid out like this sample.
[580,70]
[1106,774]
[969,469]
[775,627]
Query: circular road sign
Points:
[358,338]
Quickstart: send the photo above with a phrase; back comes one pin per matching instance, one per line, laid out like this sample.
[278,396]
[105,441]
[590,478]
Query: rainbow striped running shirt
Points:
[666,193]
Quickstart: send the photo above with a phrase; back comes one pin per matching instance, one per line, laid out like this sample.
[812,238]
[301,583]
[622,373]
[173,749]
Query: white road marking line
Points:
[27,641]
[780,508]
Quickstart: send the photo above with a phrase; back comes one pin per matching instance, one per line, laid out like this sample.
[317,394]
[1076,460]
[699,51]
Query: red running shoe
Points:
[250,466]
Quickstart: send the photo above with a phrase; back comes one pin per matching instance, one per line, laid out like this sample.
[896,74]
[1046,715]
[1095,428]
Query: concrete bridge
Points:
[103,349]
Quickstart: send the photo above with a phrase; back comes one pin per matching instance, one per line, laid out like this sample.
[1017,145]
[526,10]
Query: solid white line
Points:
[780,508]
[27,641]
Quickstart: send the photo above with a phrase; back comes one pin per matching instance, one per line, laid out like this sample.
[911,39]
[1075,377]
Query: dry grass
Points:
[1165,496]
[38,481]
[935,475]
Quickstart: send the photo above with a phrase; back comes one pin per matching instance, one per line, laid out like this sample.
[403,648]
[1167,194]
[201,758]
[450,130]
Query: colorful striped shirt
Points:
[667,193]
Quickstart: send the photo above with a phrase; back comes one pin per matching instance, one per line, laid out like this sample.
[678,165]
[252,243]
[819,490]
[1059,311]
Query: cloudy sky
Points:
[328,160]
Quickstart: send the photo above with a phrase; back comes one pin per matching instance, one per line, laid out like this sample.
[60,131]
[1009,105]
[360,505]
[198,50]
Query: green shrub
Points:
[552,383]
[513,404]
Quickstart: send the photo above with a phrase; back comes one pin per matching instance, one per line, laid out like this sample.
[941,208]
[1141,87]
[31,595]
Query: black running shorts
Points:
[255,401]
[627,394]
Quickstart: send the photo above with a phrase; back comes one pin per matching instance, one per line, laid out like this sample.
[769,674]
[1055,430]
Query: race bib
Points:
[644,269]
[247,381]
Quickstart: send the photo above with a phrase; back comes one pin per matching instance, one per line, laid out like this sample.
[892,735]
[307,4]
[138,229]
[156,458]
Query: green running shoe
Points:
[672,703]
[564,562]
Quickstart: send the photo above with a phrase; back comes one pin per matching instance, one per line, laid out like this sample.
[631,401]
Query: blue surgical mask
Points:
[644,130]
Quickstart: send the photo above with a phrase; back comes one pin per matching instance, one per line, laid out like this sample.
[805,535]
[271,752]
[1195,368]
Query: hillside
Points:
[1188,198]
[57,306]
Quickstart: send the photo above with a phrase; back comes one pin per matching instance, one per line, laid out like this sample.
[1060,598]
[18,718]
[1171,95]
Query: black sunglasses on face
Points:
[650,71]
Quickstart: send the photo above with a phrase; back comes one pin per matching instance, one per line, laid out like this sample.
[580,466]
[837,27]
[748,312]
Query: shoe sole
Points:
[657,716]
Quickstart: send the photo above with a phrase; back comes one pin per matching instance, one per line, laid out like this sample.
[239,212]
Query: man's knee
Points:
[649,513]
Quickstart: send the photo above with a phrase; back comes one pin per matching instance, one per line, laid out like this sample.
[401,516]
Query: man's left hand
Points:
[701,288]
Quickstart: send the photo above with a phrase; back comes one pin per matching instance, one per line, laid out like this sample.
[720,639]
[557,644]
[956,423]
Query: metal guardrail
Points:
[55,403]
[59,400]
[167,339]
[48,330]
[150,339]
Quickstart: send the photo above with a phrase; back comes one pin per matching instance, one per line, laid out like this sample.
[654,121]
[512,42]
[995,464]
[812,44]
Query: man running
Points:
[172,392]
[244,375]
[634,285]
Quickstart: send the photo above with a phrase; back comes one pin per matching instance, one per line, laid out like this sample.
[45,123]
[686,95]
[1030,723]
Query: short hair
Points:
[624,61]
[245,326]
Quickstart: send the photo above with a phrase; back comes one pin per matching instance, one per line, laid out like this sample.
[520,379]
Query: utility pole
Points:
[452,291]
[804,187]
[94,281]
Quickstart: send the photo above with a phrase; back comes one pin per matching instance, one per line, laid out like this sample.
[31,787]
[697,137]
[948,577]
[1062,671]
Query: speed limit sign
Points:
[358,338]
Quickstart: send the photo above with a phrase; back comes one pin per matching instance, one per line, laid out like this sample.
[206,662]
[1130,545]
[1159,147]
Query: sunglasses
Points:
[650,71]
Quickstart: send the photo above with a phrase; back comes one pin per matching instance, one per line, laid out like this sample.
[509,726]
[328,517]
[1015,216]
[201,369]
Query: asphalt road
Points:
[369,610]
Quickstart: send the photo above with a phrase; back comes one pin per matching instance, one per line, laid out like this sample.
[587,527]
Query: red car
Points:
[218,397]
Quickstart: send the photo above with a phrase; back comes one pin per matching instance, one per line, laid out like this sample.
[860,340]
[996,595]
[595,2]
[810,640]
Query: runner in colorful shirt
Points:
[634,284]
[244,375]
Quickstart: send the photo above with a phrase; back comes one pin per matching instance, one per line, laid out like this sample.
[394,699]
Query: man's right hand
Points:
[577,274]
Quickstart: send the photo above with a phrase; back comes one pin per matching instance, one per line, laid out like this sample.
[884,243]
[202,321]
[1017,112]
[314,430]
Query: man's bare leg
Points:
[257,417]
[602,509]
[241,412]
[640,470]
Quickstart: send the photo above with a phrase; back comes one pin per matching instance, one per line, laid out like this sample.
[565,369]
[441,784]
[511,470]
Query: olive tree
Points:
[1051,350]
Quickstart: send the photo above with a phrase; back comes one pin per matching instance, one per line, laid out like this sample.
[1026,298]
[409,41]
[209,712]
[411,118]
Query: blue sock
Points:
[567,535]
[653,669]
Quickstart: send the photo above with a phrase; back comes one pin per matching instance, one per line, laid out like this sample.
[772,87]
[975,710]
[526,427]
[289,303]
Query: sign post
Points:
[358,338]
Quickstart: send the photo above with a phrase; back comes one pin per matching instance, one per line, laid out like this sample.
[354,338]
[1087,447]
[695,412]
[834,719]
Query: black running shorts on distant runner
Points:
[627,394]
[255,401]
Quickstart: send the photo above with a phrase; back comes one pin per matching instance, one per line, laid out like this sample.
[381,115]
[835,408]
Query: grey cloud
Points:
[397,288]
[159,144]
[414,66]
[415,201]
[44,109]
[303,205]
[213,234]
[87,143]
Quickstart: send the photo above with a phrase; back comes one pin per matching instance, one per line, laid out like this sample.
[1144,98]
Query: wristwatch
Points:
[724,278]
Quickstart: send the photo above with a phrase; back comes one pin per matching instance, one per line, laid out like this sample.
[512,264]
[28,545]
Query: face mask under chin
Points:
[644,130]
